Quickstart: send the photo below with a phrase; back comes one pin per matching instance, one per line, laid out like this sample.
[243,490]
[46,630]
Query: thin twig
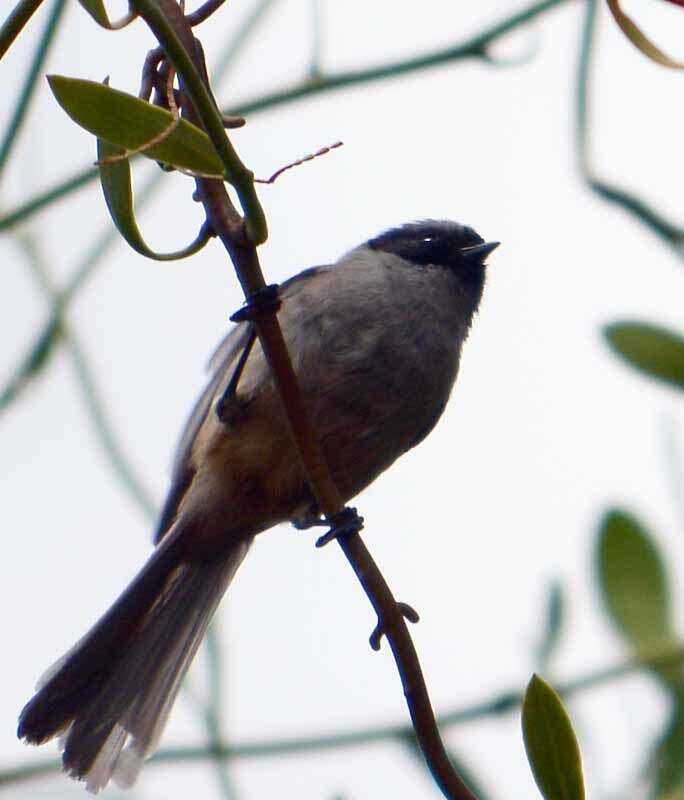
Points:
[671,233]
[170,28]
[166,21]
[320,152]
[474,47]
[149,71]
[394,627]
[31,81]
[315,69]
[48,197]
[172,31]
[213,708]
[14,24]
[203,12]
[122,467]
[95,254]
[499,705]
[60,299]
[125,473]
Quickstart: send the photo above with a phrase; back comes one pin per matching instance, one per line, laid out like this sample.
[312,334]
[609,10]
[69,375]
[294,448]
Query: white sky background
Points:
[544,431]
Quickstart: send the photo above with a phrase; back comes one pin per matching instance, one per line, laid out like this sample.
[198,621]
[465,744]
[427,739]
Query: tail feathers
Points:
[110,696]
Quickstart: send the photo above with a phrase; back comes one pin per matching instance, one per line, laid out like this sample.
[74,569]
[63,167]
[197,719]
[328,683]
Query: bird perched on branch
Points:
[375,340]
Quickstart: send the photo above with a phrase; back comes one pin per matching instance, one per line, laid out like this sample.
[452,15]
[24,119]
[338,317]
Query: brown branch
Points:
[232,231]
[203,12]
[393,625]
[172,30]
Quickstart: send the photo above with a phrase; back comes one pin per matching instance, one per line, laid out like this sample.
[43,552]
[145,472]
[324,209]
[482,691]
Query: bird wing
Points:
[219,367]
[182,469]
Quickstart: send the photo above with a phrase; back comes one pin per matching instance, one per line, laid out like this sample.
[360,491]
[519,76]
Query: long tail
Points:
[109,697]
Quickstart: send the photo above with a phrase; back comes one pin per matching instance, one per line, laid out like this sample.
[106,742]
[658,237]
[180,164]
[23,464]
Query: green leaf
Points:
[632,579]
[656,351]
[132,124]
[115,177]
[98,12]
[550,743]
[669,755]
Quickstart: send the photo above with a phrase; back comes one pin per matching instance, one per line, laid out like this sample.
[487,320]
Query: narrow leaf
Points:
[632,580]
[639,39]
[115,178]
[133,124]
[551,744]
[654,350]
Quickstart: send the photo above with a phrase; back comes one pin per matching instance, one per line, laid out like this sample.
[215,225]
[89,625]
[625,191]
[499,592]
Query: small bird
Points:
[375,340]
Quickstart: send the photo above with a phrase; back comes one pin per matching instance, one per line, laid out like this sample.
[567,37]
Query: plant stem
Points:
[14,24]
[502,703]
[28,89]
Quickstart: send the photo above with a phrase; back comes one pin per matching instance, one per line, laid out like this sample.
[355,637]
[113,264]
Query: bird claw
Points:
[407,611]
[342,523]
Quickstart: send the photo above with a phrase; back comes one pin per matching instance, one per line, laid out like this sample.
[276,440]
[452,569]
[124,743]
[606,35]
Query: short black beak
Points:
[478,252]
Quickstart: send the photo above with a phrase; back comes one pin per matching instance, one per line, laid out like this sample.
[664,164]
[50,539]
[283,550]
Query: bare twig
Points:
[393,625]
[474,47]
[95,254]
[321,152]
[172,31]
[502,703]
[203,12]
[13,127]
[85,380]
[315,69]
[149,72]
[14,24]
[671,233]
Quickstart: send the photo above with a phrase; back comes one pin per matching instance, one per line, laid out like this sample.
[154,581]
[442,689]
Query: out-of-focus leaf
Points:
[656,351]
[632,579]
[553,625]
[98,12]
[115,177]
[669,756]
[131,123]
[634,33]
[551,744]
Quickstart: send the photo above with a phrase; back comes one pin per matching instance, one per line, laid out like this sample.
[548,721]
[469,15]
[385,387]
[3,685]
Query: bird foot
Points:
[342,523]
